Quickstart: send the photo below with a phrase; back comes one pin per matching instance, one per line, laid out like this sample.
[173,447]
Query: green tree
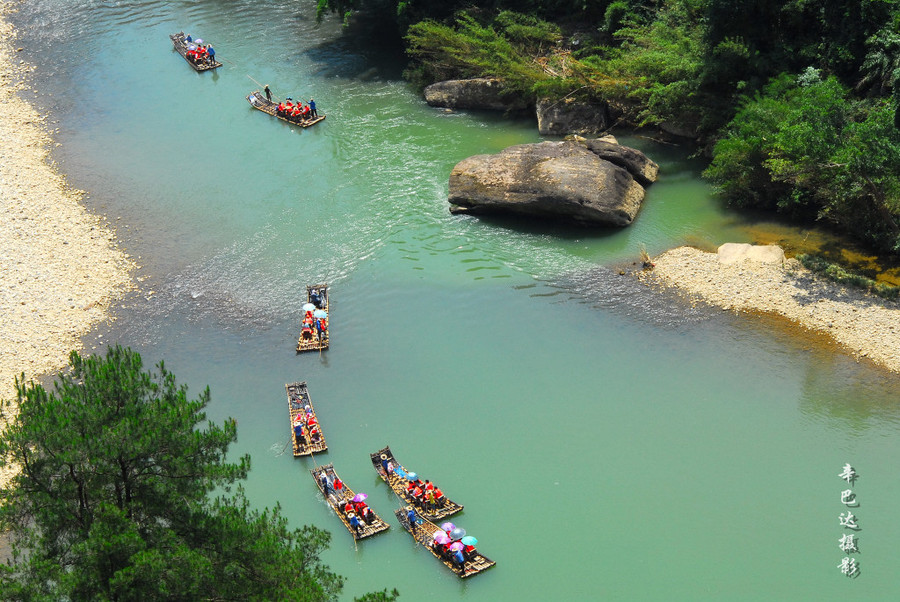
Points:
[807,147]
[112,500]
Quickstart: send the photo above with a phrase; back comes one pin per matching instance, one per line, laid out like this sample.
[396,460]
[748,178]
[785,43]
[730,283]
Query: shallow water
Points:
[607,441]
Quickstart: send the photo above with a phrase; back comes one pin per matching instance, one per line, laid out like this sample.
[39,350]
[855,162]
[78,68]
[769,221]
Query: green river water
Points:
[608,442]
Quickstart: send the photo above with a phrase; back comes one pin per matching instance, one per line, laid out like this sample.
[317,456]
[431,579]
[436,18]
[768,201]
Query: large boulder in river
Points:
[558,180]
[560,117]
[478,93]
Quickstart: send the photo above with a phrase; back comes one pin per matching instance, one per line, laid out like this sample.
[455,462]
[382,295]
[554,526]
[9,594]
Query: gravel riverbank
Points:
[866,325]
[59,264]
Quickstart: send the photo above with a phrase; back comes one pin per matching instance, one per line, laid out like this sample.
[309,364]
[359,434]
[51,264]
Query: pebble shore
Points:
[864,324]
[60,267]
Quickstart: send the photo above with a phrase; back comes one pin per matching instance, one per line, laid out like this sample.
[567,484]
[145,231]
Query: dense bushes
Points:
[806,147]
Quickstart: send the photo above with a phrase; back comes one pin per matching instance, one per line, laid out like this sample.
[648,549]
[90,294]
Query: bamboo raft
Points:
[258,101]
[181,46]
[314,343]
[397,481]
[298,399]
[424,534]
[337,501]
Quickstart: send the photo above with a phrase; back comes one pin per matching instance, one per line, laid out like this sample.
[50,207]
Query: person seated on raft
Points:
[469,552]
[200,55]
[295,113]
[418,497]
[279,110]
[314,435]
[316,298]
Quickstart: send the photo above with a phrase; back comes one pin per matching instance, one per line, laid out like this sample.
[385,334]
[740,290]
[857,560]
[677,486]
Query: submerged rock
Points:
[557,180]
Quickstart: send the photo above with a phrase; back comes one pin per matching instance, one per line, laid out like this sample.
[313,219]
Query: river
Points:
[607,441]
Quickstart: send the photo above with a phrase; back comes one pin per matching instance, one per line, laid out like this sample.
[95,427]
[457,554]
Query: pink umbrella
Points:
[441,537]
[448,526]
[359,497]
[456,546]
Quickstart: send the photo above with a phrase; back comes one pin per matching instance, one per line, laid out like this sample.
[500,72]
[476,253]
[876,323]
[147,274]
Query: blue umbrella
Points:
[469,540]
[457,533]
[412,476]
[320,313]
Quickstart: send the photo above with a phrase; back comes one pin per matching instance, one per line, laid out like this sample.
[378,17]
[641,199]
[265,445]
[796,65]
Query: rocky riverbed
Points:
[866,325]
[60,267]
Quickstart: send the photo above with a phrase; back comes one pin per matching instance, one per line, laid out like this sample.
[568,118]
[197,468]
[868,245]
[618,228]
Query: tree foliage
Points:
[504,47]
[112,500]
[805,146]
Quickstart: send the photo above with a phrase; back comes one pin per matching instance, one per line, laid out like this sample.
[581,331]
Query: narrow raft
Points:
[258,101]
[313,343]
[181,46]
[423,533]
[337,501]
[298,401]
[397,481]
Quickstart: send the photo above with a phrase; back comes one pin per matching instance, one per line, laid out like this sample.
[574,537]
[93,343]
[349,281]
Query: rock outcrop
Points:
[567,116]
[637,163]
[736,252]
[564,181]
[478,93]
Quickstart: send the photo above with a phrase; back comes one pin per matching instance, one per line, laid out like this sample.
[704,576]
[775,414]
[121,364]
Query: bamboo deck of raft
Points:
[378,525]
[398,484]
[258,101]
[315,343]
[180,45]
[298,399]
[424,532]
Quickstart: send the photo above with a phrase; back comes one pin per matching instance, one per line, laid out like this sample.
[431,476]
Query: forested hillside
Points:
[795,103]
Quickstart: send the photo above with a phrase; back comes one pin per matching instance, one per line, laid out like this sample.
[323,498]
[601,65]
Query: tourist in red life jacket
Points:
[338,485]
[368,515]
[311,420]
[295,114]
[305,112]
[468,552]
[417,495]
[280,109]
[410,486]
[439,496]
[348,507]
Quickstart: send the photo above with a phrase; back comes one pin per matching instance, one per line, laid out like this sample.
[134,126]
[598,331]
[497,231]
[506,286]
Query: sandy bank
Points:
[59,265]
[864,324]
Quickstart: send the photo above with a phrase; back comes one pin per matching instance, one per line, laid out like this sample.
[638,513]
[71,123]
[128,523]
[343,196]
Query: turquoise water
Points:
[606,441]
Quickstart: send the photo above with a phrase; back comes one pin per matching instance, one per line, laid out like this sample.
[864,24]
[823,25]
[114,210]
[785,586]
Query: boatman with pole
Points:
[268,93]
